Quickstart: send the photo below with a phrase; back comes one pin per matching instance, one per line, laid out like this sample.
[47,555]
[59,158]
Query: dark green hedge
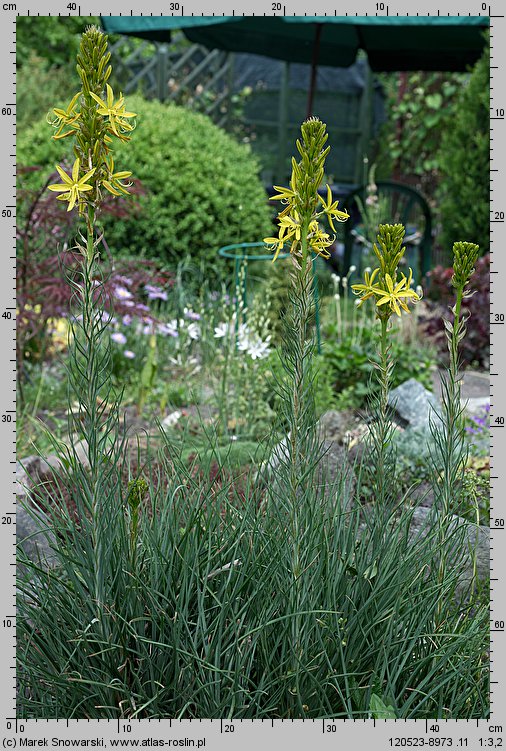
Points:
[465,164]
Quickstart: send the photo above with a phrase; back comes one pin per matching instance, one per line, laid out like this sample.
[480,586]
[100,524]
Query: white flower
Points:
[337,297]
[367,270]
[172,419]
[221,330]
[335,278]
[243,338]
[258,349]
[193,331]
[352,269]
[129,354]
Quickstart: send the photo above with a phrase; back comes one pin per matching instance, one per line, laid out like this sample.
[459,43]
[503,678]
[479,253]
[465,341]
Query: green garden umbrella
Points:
[444,43]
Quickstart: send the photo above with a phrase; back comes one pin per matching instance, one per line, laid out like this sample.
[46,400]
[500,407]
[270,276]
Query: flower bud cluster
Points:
[465,256]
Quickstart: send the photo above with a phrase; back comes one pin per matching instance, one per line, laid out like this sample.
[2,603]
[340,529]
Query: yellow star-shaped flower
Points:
[284,194]
[330,209]
[367,289]
[72,187]
[114,180]
[115,111]
[66,118]
[275,244]
[396,295]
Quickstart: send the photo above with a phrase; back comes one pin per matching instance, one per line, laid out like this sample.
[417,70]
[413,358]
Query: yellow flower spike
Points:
[72,187]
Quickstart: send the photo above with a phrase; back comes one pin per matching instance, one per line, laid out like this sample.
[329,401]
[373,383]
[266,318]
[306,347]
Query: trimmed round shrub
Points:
[203,189]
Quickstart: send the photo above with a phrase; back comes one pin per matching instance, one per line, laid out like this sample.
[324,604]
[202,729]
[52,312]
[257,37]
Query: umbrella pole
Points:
[314,65]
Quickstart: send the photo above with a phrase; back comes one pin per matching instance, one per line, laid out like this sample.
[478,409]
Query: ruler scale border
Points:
[484,733]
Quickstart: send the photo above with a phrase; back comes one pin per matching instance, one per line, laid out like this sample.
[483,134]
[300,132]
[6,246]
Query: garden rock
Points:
[336,426]
[474,536]
[81,452]
[34,537]
[422,521]
[412,404]
[34,470]
[422,495]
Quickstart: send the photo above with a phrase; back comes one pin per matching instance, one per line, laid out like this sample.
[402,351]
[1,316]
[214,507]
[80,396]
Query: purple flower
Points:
[118,337]
[167,330]
[121,293]
[155,293]
[144,308]
[191,315]
[125,280]
[127,319]
[129,354]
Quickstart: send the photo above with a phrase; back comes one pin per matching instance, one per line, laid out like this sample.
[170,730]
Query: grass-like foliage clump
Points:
[170,595]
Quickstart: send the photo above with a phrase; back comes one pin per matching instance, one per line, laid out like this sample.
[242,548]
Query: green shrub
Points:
[202,187]
[465,163]
[37,88]
[55,39]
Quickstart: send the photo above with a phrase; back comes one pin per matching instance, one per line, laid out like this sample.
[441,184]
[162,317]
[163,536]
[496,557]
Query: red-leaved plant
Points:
[43,291]
[475,347]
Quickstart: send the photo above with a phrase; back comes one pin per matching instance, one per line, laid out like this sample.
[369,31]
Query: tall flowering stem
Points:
[300,230]
[93,119]
[391,292]
[450,444]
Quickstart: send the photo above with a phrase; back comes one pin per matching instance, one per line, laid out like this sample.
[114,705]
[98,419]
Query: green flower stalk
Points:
[93,119]
[450,438]
[300,229]
[391,292]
